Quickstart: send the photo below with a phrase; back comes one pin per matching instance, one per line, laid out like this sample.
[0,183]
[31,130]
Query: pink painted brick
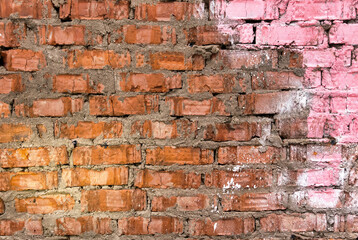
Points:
[289,35]
[324,154]
[327,198]
[344,34]
[318,58]
[313,177]
[338,104]
[352,104]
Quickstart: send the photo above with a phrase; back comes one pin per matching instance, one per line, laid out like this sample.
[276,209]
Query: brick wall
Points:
[178,120]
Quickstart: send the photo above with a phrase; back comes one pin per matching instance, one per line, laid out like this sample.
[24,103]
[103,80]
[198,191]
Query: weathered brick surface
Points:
[123,119]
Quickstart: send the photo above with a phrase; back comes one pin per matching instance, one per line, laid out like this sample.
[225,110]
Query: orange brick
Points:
[152,82]
[58,35]
[179,155]
[45,204]
[91,177]
[154,225]
[162,204]
[10,227]
[10,83]
[249,155]
[119,106]
[176,61]
[180,106]
[33,157]
[182,128]
[92,9]
[4,110]
[68,83]
[193,203]
[222,227]
[113,200]
[14,133]
[223,83]
[89,130]
[2,206]
[248,202]
[76,226]
[243,179]
[25,8]
[23,60]
[123,154]
[27,181]
[97,59]
[11,34]
[276,81]
[165,179]
[231,132]
[149,34]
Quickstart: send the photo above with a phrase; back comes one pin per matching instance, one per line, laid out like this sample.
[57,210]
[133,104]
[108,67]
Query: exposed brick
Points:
[276,81]
[248,202]
[222,227]
[67,83]
[182,203]
[153,82]
[235,59]
[223,83]
[176,61]
[33,157]
[292,128]
[23,60]
[28,181]
[4,110]
[84,177]
[113,200]
[14,132]
[25,8]
[97,155]
[76,226]
[10,83]
[249,155]
[97,59]
[164,11]
[179,155]
[166,179]
[154,225]
[149,34]
[92,10]
[181,128]
[11,34]
[161,203]
[180,106]
[57,35]
[245,178]
[2,206]
[45,204]
[9,227]
[119,106]
[231,132]
[89,130]
[295,222]
[352,223]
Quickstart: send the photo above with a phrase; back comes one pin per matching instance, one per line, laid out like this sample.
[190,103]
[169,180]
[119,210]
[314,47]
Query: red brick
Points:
[97,155]
[92,177]
[153,225]
[89,130]
[92,9]
[97,59]
[14,133]
[245,178]
[248,202]
[113,200]
[2,206]
[119,106]
[276,81]
[4,110]
[179,155]
[205,35]
[181,128]
[162,204]
[293,222]
[292,127]
[11,34]
[28,181]
[33,157]
[351,223]
[181,106]
[10,83]
[250,155]
[238,59]
[166,179]
[23,60]
[221,83]
[222,227]
[164,11]
[10,227]
[182,203]
[231,132]
[25,8]
[67,83]
[152,82]
[76,226]
[292,35]
[176,61]
[58,35]
[147,34]
[45,204]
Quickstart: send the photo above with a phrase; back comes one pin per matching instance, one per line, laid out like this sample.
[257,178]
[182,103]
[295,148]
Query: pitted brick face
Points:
[200,119]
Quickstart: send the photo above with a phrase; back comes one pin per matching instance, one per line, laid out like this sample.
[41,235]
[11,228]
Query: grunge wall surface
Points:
[215,119]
